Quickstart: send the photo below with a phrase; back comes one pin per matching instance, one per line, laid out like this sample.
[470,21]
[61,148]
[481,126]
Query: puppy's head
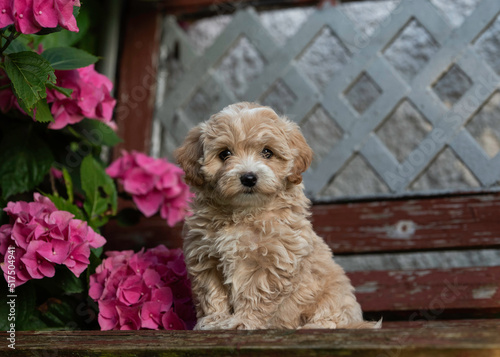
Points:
[244,155]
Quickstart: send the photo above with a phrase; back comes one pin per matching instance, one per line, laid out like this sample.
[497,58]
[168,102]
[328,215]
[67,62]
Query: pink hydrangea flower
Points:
[155,185]
[30,16]
[42,237]
[144,290]
[91,97]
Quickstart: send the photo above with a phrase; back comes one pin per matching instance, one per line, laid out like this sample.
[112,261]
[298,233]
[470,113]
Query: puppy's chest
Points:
[233,241]
[258,246]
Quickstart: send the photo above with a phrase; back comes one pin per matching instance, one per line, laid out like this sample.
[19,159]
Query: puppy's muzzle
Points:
[248,179]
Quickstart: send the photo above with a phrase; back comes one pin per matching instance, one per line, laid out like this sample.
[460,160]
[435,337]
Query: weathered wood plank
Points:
[147,233]
[430,293]
[417,224]
[441,259]
[382,226]
[137,85]
[464,340]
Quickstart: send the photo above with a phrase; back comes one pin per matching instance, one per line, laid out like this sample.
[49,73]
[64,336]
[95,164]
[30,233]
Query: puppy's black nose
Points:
[249,179]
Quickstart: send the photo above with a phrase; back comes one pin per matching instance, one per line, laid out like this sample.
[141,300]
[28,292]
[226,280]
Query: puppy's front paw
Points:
[212,322]
[240,323]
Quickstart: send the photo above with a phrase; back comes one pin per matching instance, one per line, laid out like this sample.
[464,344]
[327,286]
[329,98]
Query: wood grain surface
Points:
[474,338]
[367,227]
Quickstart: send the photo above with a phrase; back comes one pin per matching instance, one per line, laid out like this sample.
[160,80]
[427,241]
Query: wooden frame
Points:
[137,77]
[202,8]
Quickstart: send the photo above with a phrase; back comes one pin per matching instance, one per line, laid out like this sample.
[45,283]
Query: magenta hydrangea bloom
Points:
[30,16]
[145,290]
[91,97]
[155,185]
[42,237]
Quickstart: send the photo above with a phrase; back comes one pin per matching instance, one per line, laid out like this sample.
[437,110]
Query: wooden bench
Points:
[429,311]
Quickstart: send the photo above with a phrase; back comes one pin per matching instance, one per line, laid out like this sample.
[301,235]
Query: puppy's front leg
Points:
[257,292]
[212,304]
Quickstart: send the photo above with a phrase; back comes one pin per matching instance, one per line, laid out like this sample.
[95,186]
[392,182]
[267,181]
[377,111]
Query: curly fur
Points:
[253,257]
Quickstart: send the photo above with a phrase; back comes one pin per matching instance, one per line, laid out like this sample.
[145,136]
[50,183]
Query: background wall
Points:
[337,46]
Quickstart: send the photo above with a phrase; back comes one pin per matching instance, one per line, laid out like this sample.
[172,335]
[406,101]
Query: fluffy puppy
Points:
[253,257]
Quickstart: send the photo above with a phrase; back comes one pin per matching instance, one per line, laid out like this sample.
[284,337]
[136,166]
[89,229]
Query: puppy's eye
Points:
[267,153]
[224,155]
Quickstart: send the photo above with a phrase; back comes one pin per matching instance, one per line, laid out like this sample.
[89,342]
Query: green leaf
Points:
[66,91]
[64,58]
[97,132]
[4,308]
[66,205]
[3,215]
[58,313]
[29,72]
[95,261]
[100,192]
[25,301]
[25,159]
[18,45]
[97,251]
[68,282]
[41,112]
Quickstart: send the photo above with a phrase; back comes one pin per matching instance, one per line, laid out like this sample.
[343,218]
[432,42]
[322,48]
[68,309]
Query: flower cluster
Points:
[155,184]
[44,236]
[144,290]
[30,16]
[91,97]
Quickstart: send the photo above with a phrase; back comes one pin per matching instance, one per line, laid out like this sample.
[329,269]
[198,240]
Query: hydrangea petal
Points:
[148,204]
[45,13]
[138,182]
[6,14]
[171,321]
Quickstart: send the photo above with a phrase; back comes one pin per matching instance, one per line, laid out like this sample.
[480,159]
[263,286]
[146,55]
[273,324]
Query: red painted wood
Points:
[149,233]
[438,223]
[431,291]
[137,77]
[417,224]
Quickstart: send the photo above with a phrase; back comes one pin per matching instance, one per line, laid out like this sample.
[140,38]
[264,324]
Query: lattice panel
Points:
[440,106]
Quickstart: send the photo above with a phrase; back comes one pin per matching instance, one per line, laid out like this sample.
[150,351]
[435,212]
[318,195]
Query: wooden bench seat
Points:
[431,311]
[478,338]
[429,294]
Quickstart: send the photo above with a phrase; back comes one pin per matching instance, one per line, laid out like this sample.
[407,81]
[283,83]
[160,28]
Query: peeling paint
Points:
[403,229]
[368,287]
[484,292]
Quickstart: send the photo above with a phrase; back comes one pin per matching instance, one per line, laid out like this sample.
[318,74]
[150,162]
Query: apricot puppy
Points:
[253,257]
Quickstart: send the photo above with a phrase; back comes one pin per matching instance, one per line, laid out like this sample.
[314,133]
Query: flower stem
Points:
[53,184]
[12,36]
[74,132]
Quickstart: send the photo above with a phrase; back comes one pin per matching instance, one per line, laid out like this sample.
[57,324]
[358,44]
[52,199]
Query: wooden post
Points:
[137,77]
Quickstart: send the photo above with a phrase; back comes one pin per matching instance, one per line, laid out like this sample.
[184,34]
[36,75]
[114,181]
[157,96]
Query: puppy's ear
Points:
[302,154]
[188,156]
